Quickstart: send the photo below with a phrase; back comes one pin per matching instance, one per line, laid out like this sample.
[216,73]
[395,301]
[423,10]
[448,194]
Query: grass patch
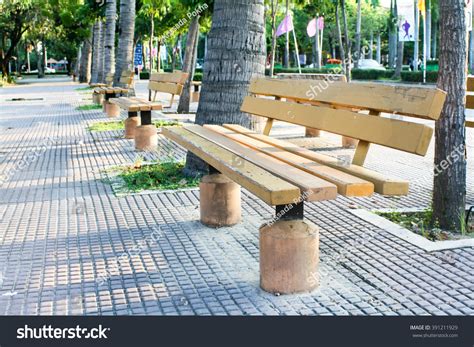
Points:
[89,107]
[421,223]
[156,176]
[83,89]
[112,126]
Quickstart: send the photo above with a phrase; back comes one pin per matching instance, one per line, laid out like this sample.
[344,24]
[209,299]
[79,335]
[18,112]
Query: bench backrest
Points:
[171,83]
[126,77]
[351,109]
[109,79]
[313,76]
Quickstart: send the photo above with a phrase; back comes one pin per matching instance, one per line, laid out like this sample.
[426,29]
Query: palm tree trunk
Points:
[152,38]
[101,75]
[347,42]
[189,64]
[86,61]
[416,54]
[41,60]
[274,6]
[95,53]
[229,68]
[428,30]
[109,54]
[358,25]
[342,51]
[378,53]
[449,191]
[124,59]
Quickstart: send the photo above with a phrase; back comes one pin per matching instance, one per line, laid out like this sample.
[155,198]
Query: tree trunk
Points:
[317,49]
[101,75]
[286,56]
[189,64]
[449,191]
[77,67]
[392,36]
[86,61]
[378,54]
[152,38]
[339,35]
[124,59]
[347,42]
[109,53]
[236,54]
[358,24]
[274,6]
[95,52]
[398,68]
[41,60]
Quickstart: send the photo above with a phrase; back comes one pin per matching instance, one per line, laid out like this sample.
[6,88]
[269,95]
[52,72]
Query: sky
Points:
[385,3]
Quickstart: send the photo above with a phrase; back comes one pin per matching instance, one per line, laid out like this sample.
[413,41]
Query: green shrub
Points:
[417,76]
[197,76]
[371,74]
[144,75]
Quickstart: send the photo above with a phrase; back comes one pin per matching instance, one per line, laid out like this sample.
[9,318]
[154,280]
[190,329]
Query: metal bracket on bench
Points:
[145,117]
[290,211]
[132,114]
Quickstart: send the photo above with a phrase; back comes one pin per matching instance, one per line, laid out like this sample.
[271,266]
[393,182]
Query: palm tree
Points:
[189,64]
[95,52]
[357,34]
[235,54]
[125,46]
[109,47]
[101,73]
[449,193]
[86,61]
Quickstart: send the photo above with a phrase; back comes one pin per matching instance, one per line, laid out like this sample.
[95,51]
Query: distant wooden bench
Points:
[470,101]
[196,91]
[285,175]
[98,98]
[170,83]
[139,128]
[108,92]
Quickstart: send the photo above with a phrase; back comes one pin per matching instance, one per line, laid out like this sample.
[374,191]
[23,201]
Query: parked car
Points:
[370,64]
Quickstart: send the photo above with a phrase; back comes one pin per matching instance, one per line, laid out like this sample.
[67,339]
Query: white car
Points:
[370,64]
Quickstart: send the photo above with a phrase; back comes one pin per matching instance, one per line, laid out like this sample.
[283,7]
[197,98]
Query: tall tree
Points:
[235,54]
[449,193]
[96,51]
[101,73]
[86,60]
[357,34]
[124,59]
[110,23]
[286,56]
[274,10]
[347,41]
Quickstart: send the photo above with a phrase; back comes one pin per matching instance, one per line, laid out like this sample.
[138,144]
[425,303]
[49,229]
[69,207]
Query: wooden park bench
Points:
[286,176]
[108,92]
[140,127]
[99,98]
[170,83]
[470,102]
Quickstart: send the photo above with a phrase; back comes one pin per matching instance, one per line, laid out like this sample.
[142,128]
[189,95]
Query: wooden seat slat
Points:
[266,186]
[178,77]
[416,102]
[315,189]
[382,184]
[347,184]
[393,133]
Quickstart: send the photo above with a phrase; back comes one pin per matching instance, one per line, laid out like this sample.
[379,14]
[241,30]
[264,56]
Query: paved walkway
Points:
[62,229]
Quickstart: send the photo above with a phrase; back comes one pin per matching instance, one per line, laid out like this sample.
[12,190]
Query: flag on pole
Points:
[406,24]
[311,28]
[285,26]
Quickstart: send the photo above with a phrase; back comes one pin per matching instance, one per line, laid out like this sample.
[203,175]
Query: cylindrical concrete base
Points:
[311,132]
[112,110]
[289,256]
[349,142]
[146,137]
[131,123]
[219,201]
[97,99]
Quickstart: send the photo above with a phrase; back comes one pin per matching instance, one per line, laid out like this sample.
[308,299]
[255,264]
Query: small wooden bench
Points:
[139,128]
[285,175]
[470,101]
[170,83]
[99,98]
[196,91]
[108,92]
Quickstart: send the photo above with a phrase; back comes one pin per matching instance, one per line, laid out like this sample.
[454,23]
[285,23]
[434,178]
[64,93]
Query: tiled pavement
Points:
[62,229]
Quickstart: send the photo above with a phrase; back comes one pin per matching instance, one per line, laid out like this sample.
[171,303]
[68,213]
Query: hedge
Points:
[371,74]
[145,75]
[417,76]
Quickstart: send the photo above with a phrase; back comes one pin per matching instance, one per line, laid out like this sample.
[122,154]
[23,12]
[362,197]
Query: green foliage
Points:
[120,125]
[89,107]
[159,176]
[363,74]
[417,76]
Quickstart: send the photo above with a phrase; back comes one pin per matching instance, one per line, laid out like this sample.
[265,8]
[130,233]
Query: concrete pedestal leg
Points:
[131,123]
[219,201]
[146,137]
[289,256]
[349,142]
[97,98]
[311,132]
